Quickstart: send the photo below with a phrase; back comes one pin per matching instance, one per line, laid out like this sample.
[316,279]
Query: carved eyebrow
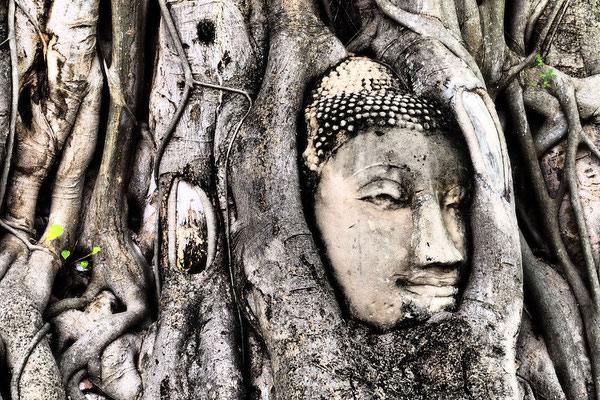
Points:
[386,166]
[379,179]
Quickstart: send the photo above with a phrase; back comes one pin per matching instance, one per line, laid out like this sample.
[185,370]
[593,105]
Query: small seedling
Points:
[55,231]
[539,59]
[545,77]
[66,253]
[83,263]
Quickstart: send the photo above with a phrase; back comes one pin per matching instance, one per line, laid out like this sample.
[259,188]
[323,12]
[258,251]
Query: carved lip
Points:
[426,280]
[431,286]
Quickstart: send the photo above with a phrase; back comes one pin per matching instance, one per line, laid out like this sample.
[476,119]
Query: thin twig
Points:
[16,378]
[188,83]
[225,88]
[228,219]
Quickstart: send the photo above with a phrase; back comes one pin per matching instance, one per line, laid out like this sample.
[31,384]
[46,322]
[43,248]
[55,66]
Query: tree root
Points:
[14,100]
[122,270]
[564,89]
[86,353]
[188,84]
[119,267]
[549,212]
[483,133]
[120,379]
[60,306]
[65,120]
[73,390]
[35,24]
[561,110]
[21,320]
[551,303]
[432,28]
[16,378]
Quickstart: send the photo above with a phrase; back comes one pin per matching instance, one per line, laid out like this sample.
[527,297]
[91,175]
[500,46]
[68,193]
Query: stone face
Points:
[389,209]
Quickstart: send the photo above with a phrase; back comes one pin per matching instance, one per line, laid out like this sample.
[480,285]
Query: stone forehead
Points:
[357,94]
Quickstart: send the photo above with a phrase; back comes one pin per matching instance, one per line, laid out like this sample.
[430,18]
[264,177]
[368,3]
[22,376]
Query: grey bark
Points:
[245,306]
[5,78]
[196,349]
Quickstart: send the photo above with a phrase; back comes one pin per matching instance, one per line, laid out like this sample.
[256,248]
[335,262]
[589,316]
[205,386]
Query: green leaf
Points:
[95,250]
[545,84]
[84,264]
[54,232]
[540,60]
[65,254]
[543,76]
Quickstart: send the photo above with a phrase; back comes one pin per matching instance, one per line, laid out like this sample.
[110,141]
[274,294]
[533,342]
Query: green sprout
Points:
[539,59]
[84,263]
[55,231]
[545,77]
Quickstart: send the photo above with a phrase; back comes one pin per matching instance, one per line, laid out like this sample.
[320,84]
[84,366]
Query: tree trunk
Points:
[158,240]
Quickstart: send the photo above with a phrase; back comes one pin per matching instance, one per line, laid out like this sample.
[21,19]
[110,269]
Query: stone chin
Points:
[409,309]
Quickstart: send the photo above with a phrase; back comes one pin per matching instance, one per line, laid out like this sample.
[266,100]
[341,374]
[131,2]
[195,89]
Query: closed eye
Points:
[384,193]
[383,201]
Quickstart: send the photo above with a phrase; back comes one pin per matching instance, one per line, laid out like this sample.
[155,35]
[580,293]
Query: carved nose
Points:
[432,243]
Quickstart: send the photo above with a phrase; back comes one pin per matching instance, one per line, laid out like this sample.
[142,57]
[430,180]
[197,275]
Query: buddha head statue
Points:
[388,177]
